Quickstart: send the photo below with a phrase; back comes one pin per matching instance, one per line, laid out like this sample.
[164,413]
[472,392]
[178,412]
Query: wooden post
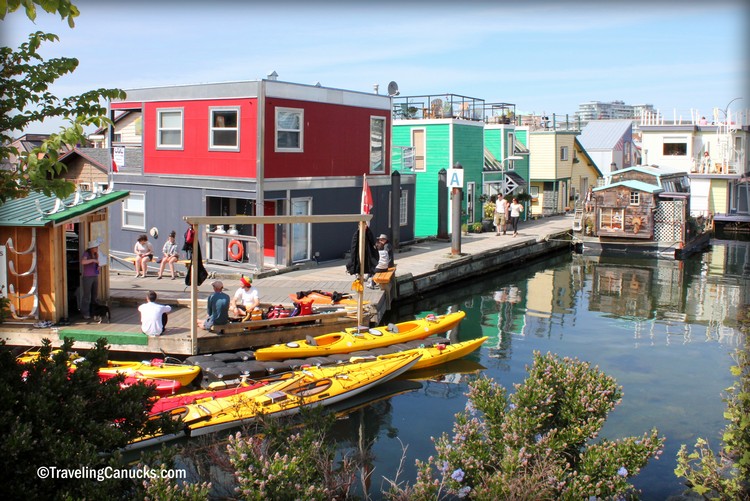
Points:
[194,293]
[361,275]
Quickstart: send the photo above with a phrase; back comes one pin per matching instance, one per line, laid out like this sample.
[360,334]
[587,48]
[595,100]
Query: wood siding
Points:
[336,141]
[194,158]
[616,217]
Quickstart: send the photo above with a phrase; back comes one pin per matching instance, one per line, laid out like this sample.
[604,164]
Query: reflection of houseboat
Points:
[643,210]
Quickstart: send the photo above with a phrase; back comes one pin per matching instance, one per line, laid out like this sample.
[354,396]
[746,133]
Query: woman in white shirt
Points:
[515,214]
[144,252]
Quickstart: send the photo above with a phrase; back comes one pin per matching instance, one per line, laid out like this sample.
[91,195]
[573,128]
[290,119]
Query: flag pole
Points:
[361,248]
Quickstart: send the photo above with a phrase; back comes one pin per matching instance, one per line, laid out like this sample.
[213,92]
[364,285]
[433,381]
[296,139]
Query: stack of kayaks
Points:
[308,387]
[354,339]
[167,378]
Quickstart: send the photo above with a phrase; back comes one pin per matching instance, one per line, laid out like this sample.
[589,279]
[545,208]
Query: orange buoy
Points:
[235,250]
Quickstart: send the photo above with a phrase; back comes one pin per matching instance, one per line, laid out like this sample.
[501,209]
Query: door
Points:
[418,143]
[301,231]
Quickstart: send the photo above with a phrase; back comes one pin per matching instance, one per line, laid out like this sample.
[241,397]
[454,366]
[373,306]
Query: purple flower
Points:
[464,491]
[444,469]
[538,438]
[458,475]
[623,472]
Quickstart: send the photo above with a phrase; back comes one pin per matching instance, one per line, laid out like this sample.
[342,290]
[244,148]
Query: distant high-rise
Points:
[613,110]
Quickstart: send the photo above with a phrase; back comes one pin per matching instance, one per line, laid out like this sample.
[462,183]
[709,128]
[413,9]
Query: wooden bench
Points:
[385,280]
[184,262]
[234,327]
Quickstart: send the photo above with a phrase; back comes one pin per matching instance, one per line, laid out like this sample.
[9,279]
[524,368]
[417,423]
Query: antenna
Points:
[393,89]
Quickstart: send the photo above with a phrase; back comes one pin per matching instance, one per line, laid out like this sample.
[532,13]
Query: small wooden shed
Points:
[41,242]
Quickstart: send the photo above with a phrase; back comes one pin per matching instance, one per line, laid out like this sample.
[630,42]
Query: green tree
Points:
[51,416]
[25,78]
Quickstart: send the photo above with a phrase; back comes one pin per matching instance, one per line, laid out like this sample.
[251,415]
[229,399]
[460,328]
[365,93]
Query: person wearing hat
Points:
[245,299]
[89,277]
[385,257]
[170,255]
[217,307]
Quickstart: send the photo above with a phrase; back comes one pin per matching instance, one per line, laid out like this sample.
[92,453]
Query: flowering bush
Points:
[724,476]
[536,443]
[280,465]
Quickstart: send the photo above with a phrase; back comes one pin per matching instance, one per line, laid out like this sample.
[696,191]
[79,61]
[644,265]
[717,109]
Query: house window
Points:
[611,219]
[225,129]
[169,129]
[418,144]
[289,131]
[134,211]
[675,146]
[635,198]
[563,152]
[377,140]
[403,217]
[116,137]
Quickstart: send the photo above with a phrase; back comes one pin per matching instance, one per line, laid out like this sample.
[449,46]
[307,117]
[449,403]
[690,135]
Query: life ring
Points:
[235,254]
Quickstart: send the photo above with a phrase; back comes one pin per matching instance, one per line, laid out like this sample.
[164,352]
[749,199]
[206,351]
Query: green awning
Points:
[35,210]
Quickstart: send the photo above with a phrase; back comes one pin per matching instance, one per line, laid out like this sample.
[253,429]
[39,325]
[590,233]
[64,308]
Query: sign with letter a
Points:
[455,178]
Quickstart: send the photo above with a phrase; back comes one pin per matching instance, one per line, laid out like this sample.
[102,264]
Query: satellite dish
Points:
[393,89]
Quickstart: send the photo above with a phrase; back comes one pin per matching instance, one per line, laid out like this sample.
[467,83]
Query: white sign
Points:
[118,155]
[455,178]
[408,158]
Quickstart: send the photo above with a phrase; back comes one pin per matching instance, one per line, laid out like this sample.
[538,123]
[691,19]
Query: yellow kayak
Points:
[182,373]
[154,369]
[350,340]
[308,387]
[437,354]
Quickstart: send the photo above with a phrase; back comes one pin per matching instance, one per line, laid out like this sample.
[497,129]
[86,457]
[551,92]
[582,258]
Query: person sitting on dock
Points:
[246,299]
[217,306]
[153,315]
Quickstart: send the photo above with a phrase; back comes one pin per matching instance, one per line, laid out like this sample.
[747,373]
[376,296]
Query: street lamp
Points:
[726,108]
[504,185]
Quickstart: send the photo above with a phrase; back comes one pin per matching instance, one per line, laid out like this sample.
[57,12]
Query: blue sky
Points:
[545,57]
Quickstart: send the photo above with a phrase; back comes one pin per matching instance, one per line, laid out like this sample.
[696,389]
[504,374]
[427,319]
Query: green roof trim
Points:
[26,211]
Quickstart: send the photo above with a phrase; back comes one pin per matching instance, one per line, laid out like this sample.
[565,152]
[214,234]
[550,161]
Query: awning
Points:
[36,209]
[512,177]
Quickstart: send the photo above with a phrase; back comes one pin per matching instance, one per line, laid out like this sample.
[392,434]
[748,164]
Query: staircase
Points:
[578,217]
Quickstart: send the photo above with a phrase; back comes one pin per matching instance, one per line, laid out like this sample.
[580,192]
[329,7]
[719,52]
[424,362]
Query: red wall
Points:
[195,157]
[336,141]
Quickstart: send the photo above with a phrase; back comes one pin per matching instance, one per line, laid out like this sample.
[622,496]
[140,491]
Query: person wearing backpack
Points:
[189,238]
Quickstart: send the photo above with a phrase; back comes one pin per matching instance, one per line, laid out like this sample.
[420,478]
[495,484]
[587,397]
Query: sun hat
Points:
[246,281]
[94,243]
[383,236]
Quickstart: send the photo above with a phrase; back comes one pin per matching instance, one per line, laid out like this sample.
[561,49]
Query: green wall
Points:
[467,148]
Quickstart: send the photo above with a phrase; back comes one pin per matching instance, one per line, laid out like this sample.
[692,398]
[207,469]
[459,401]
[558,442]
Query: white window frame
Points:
[212,129]
[159,129]
[300,131]
[416,150]
[126,210]
[563,153]
[374,148]
[403,217]
[635,198]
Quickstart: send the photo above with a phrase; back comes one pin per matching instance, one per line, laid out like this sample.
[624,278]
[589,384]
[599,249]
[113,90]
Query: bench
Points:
[234,327]
[184,262]
[385,280]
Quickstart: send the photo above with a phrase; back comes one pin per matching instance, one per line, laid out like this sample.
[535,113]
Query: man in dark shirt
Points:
[217,307]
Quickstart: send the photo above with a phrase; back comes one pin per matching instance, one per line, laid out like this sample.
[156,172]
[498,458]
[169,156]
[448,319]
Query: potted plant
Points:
[488,213]
[589,225]
[477,227]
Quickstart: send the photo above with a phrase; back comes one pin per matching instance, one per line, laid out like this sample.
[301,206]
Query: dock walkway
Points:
[421,266]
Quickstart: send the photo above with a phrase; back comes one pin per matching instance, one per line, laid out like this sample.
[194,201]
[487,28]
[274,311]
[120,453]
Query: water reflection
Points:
[664,329]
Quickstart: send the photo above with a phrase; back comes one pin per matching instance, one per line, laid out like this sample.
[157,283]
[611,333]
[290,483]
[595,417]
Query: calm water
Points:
[665,330]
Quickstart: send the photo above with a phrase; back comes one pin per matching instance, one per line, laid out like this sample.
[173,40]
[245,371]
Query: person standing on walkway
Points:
[153,315]
[217,307]
[515,214]
[170,255]
[501,215]
[90,278]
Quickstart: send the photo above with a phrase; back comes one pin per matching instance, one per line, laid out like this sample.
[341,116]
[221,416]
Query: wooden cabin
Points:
[41,241]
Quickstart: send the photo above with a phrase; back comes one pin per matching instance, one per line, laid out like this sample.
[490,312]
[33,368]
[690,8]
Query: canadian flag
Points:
[366,196]
[114,166]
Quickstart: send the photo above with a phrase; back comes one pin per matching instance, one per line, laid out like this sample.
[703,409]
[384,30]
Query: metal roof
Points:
[604,134]
[633,184]
[25,212]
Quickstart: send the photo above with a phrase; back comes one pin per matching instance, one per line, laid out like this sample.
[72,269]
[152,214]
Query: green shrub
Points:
[726,475]
[476,227]
[537,443]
